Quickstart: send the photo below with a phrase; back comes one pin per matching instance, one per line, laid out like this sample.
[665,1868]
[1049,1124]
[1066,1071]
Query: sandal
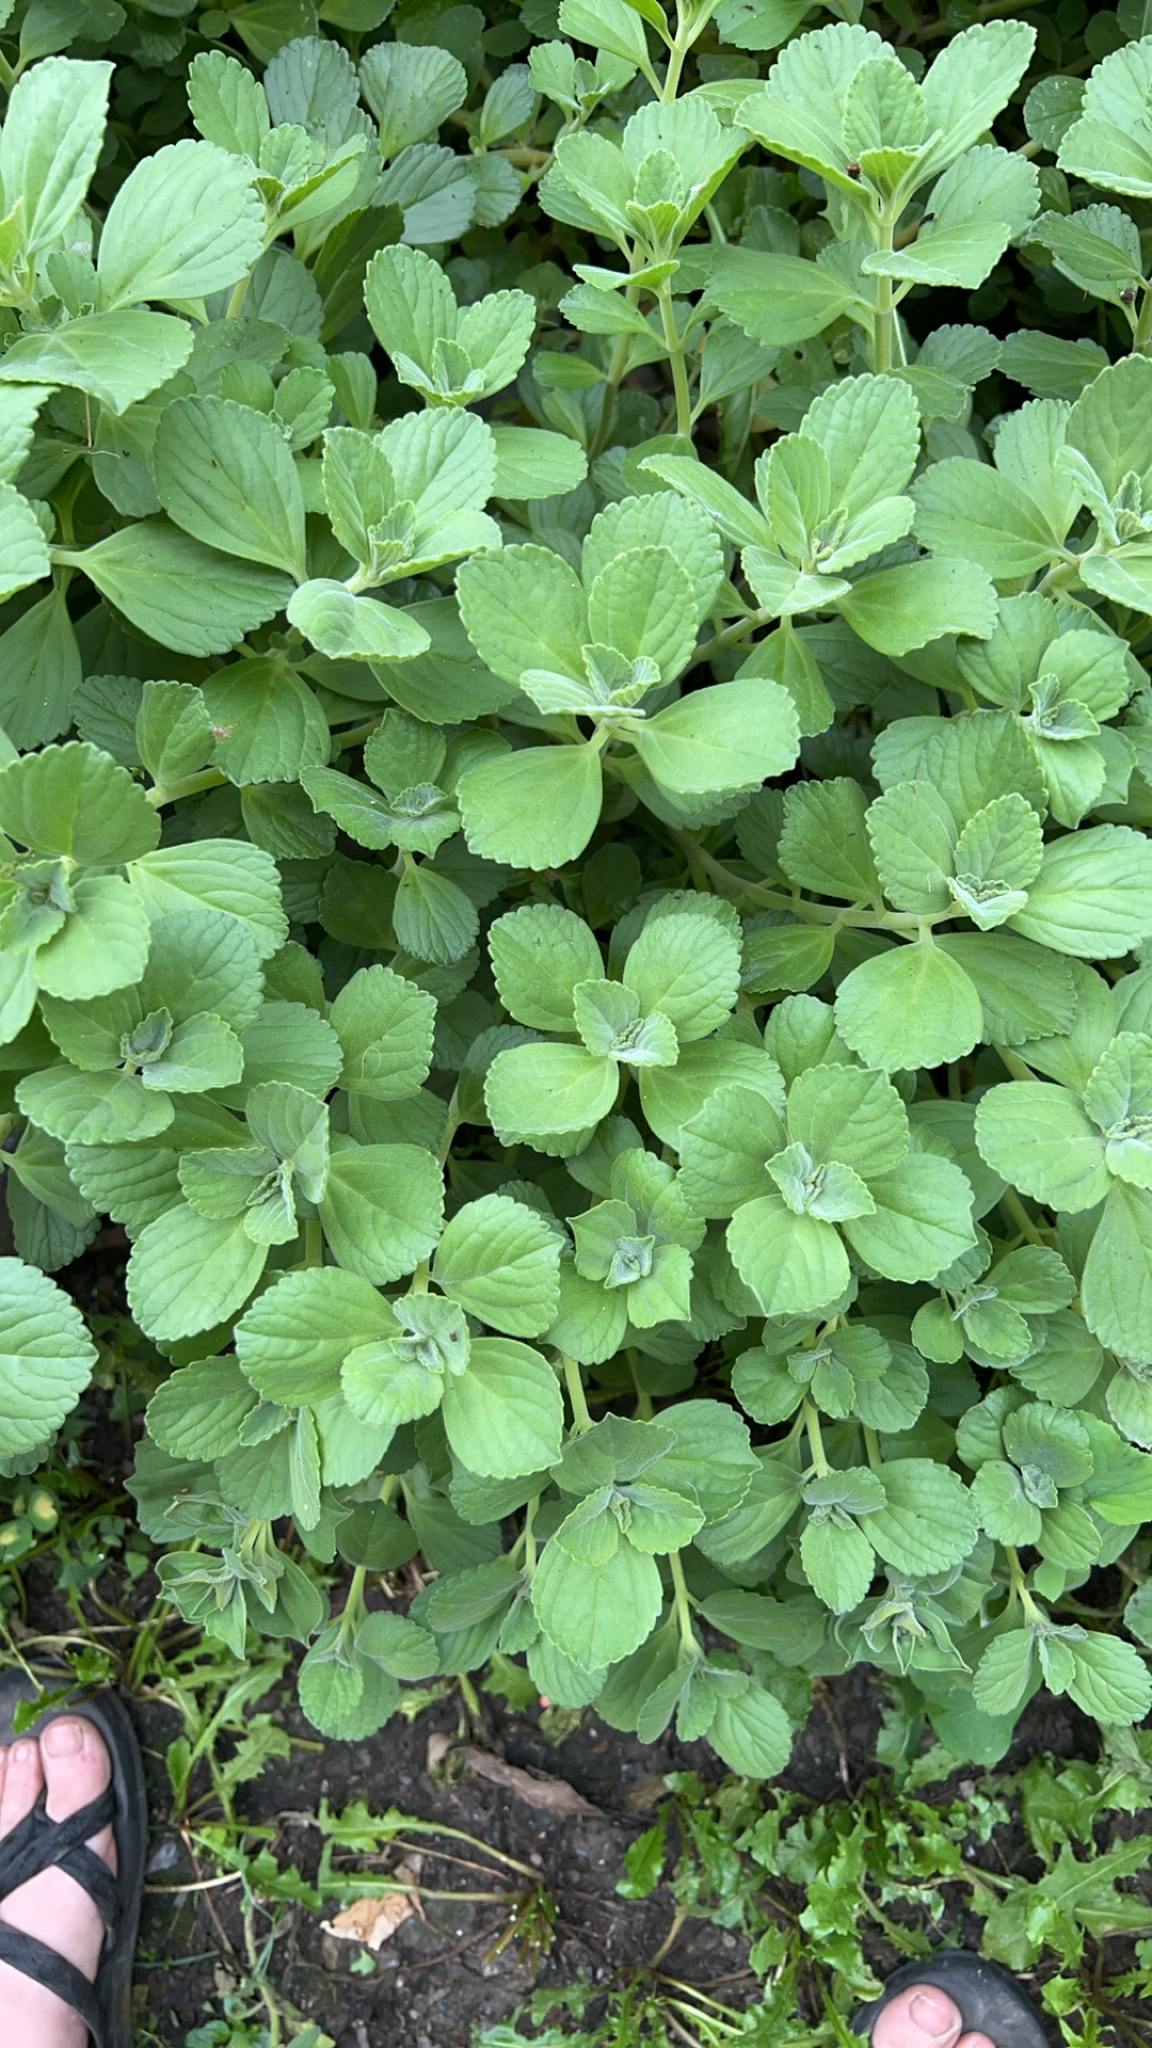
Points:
[991,2000]
[38,1843]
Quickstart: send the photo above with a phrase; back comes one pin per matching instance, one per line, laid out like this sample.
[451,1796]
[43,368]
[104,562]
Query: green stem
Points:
[617,365]
[1142,333]
[872,1446]
[675,347]
[1010,1201]
[683,1603]
[1018,1590]
[190,785]
[313,1242]
[581,1419]
[815,1441]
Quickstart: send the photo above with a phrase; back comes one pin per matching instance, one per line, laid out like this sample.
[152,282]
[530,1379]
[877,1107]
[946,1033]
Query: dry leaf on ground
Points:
[374,1921]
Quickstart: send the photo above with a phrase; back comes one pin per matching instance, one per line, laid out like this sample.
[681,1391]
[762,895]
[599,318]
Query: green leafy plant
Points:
[575,781]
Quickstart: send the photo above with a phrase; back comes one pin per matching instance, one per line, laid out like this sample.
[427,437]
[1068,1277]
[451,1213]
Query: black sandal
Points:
[990,1998]
[39,1843]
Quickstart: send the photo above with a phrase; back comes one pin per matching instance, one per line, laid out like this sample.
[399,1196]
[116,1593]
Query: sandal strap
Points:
[37,1843]
[44,1966]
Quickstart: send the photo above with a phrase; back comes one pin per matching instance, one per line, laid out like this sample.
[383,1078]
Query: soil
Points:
[437,1980]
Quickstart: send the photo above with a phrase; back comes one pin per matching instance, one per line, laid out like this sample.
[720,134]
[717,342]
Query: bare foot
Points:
[72,1760]
[923,2017]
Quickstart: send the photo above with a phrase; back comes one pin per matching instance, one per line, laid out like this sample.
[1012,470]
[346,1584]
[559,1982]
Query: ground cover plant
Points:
[576,885]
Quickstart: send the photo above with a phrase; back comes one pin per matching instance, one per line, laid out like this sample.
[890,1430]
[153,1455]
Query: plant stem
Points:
[581,1420]
[676,358]
[1142,333]
[683,1606]
[189,785]
[815,1441]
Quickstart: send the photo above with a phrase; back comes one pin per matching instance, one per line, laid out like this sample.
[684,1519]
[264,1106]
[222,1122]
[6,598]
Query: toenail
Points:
[933,2013]
[23,1752]
[63,1738]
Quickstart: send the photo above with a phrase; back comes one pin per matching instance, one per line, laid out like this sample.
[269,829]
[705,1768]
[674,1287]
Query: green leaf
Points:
[795,1265]
[1040,1139]
[1111,1680]
[732,736]
[186,221]
[838,1560]
[116,358]
[542,1093]
[503,1414]
[540,954]
[922,1220]
[500,1261]
[909,1007]
[346,627]
[385,1027]
[897,610]
[23,549]
[928,1523]
[597,1617]
[972,511]
[1091,897]
[293,1340]
[1117,1284]
[524,608]
[189,1272]
[46,1357]
[74,800]
[176,590]
[536,808]
[777,300]
[382,1209]
[53,132]
[687,968]
[751,1733]
[223,472]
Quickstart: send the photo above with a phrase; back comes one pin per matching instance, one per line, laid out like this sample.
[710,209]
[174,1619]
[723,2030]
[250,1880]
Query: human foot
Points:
[72,1761]
[923,2017]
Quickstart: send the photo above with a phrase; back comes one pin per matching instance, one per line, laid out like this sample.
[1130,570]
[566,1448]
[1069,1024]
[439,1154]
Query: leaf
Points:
[1117,1284]
[228,876]
[186,221]
[23,550]
[46,1357]
[382,1209]
[503,1415]
[751,1733]
[385,1027]
[540,954]
[293,1340]
[732,736]
[597,1617]
[524,608]
[410,89]
[53,132]
[345,627]
[189,1272]
[117,358]
[74,800]
[897,610]
[541,1093]
[912,1006]
[176,590]
[774,299]
[536,808]
[500,1261]
[223,473]
[972,511]
[686,968]
[795,1265]
[922,1220]
[1091,896]
[927,1523]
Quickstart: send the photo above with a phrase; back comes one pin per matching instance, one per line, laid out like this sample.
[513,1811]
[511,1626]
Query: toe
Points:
[23,1780]
[921,2017]
[975,2041]
[77,1767]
